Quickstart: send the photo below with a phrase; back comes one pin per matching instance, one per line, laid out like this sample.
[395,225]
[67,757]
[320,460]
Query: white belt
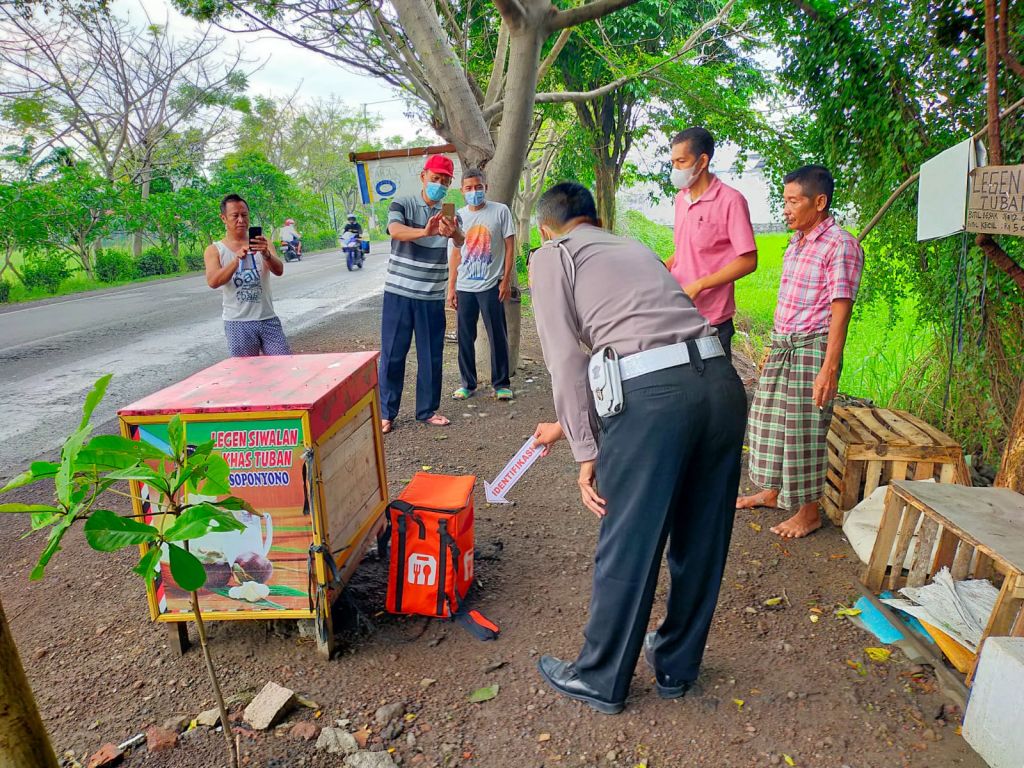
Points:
[668,357]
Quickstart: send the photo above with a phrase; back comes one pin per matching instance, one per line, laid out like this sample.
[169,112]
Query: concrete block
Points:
[992,725]
[268,706]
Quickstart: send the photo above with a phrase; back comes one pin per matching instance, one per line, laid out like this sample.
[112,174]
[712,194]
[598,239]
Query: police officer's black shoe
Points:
[667,688]
[562,676]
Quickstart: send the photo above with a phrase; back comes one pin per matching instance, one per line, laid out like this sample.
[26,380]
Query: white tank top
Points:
[247,294]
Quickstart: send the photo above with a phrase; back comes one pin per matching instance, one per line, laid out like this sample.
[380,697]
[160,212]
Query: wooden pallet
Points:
[869,447]
[980,535]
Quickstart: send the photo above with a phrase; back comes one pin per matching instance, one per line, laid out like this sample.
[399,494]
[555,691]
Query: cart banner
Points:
[263,567]
[391,177]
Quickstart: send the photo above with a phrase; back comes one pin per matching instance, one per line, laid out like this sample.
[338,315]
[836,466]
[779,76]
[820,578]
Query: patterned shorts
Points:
[787,432]
[250,338]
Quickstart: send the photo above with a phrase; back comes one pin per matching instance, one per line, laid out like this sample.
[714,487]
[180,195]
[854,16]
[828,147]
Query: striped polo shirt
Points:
[417,269]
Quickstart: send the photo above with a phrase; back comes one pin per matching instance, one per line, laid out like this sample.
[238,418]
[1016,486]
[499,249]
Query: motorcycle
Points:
[291,251]
[355,250]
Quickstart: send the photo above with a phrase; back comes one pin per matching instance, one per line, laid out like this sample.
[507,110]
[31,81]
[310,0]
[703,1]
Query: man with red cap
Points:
[414,293]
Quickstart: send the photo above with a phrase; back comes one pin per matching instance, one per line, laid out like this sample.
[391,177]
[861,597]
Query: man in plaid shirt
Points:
[792,408]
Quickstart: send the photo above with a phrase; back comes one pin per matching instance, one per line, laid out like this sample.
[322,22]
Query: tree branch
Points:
[496,83]
[545,65]
[511,11]
[574,16]
[995,253]
[691,42]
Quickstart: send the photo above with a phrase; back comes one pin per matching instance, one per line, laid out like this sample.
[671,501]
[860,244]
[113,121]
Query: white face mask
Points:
[683,178]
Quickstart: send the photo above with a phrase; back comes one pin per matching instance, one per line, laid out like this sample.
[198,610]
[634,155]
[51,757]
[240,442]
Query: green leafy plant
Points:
[156,261]
[46,271]
[91,468]
[113,265]
[194,261]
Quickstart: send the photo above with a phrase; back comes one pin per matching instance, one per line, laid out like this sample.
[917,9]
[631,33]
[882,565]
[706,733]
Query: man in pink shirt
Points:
[792,408]
[713,234]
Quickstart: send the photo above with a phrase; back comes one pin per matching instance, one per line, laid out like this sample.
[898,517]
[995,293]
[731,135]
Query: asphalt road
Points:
[148,335]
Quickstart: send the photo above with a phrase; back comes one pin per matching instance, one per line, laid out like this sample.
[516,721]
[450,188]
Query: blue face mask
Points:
[476,197]
[436,191]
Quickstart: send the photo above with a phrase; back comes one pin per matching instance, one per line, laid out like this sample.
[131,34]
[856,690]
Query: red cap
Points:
[439,164]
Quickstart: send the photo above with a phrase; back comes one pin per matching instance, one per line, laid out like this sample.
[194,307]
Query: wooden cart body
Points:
[301,434]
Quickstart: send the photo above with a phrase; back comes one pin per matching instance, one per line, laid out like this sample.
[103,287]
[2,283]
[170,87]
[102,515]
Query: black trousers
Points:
[726,331]
[471,306]
[668,467]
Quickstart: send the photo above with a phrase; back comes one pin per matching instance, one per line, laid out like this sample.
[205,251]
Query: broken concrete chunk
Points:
[336,741]
[369,760]
[268,706]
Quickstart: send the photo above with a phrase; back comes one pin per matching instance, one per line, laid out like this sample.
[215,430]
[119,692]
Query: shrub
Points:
[316,241]
[194,261]
[5,291]
[114,264]
[156,261]
[46,271]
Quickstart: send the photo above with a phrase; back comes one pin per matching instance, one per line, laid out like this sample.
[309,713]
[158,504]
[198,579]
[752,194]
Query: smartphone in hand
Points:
[254,232]
[448,210]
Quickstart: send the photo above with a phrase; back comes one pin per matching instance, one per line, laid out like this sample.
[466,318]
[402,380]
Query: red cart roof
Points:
[327,385]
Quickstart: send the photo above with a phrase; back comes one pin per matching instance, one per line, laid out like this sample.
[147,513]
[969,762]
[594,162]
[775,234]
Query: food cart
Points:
[301,435]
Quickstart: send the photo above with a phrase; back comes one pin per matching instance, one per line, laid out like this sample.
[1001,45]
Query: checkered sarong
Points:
[787,433]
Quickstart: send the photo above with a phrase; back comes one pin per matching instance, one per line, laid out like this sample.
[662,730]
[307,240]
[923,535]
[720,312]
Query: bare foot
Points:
[806,521]
[385,426]
[437,420]
[766,498]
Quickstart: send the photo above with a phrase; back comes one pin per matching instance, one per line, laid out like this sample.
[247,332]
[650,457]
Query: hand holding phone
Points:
[448,210]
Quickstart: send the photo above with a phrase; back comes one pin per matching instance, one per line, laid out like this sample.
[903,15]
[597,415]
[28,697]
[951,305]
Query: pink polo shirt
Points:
[709,233]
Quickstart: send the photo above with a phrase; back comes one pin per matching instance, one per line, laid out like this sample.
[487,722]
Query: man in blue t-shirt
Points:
[480,281]
[414,293]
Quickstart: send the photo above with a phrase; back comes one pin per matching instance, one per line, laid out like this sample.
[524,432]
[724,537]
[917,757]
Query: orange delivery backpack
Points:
[431,543]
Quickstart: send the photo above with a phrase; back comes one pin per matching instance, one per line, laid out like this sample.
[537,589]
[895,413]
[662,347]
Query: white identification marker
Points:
[514,470]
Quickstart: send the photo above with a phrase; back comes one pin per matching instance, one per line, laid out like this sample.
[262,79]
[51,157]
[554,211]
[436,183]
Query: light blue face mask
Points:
[476,197]
[436,191]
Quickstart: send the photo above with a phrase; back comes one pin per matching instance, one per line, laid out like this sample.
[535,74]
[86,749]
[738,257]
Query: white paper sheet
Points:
[960,609]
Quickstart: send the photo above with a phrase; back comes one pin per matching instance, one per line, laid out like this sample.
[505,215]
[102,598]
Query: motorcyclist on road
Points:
[353,226]
[291,235]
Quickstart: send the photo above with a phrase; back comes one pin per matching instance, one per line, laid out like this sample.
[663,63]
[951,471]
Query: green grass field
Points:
[881,345]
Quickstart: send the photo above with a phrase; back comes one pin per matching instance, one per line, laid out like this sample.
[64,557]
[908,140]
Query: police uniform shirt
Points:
[624,298]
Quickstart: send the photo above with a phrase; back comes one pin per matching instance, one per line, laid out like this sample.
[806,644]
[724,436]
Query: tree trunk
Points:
[137,237]
[23,740]
[606,184]
[1011,469]
[462,117]
[517,115]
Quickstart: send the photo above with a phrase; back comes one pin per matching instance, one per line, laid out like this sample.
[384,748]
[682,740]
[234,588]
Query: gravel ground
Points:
[776,688]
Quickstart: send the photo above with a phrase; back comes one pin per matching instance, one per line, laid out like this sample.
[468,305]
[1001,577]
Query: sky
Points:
[288,68]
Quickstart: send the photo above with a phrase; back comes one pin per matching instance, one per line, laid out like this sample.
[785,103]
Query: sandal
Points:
[503,393]
[437,420]
[462,393]
[386,425]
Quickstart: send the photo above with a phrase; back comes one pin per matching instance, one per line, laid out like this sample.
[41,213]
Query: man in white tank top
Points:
[241,268]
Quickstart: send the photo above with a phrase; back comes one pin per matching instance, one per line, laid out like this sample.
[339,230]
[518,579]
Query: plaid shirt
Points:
[825,267]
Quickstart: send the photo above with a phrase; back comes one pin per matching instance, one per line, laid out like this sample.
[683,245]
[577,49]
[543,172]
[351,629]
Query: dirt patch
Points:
[774,682]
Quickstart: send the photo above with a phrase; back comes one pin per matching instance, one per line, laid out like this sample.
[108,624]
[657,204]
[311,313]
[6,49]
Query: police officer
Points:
[663,470]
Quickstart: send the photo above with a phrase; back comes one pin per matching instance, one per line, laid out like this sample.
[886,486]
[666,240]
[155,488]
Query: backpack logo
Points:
[467,565]
[422,570]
